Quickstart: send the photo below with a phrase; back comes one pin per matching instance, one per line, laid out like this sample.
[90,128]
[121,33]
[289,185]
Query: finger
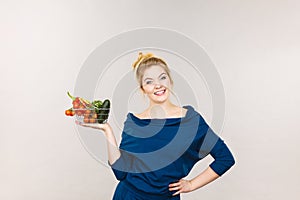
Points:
[175,184]
[80,123]
[175,188]
[176,193]
[84,124]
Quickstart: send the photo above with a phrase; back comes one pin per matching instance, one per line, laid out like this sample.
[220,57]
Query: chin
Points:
[160,100]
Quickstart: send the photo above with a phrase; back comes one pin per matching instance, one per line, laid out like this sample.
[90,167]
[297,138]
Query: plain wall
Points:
[254,45]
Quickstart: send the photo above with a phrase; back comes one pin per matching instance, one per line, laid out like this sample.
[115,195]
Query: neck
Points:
[160,110]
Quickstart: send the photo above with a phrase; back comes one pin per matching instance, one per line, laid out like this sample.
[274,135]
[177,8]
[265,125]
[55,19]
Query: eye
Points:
[163,78]
[148,82]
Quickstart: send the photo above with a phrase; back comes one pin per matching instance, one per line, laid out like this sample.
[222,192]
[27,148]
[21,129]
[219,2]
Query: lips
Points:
[160,92]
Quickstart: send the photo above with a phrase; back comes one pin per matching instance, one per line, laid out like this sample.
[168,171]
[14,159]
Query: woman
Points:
[160,146]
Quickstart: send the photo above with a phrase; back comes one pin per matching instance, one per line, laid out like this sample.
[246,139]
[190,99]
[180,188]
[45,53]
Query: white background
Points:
[255,46]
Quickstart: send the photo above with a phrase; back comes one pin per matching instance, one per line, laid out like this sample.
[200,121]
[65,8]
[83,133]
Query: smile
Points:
[160,92]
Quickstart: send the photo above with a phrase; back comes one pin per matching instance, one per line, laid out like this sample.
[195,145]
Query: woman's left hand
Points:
[182,186]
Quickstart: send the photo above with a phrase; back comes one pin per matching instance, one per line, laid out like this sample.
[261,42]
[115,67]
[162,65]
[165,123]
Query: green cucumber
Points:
[104,111]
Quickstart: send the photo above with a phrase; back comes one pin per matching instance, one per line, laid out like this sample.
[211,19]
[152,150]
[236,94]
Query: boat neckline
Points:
[169,118]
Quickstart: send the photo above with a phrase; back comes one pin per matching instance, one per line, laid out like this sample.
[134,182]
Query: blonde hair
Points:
[145,61]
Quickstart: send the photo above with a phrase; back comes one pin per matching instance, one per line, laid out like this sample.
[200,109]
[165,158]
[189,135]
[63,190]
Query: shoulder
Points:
[179,112]
[142,115]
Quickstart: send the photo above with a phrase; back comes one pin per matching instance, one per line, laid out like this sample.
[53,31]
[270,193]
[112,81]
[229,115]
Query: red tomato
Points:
[78,112]
[81,106]
[76,104]
[87,111]
[69,112]
[72,113]
[77,99]
[94,115]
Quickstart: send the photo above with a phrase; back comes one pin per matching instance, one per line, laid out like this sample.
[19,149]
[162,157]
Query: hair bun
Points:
[141,58]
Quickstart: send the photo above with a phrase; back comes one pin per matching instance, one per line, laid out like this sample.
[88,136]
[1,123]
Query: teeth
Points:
[160,92]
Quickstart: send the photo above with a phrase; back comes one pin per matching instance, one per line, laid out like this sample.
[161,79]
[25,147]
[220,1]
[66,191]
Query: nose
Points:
[158,85]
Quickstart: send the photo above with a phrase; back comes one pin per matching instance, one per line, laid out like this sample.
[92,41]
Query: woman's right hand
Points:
[104,127]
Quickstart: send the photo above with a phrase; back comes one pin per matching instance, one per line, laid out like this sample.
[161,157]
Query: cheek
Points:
[166,83]
[147,89]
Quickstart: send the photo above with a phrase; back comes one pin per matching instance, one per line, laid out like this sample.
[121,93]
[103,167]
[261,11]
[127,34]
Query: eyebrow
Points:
[158,76]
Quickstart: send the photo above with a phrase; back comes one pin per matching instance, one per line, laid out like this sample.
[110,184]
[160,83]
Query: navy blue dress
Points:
[157,152]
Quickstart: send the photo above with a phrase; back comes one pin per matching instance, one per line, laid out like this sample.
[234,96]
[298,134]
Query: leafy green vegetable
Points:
[98,105]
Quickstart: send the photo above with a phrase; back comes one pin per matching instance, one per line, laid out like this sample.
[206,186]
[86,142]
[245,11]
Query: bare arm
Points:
[223,161]
[184,186]
[204,178]
[111,143]
[112,146]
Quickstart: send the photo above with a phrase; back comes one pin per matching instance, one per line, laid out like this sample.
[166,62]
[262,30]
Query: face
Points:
[156,84]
